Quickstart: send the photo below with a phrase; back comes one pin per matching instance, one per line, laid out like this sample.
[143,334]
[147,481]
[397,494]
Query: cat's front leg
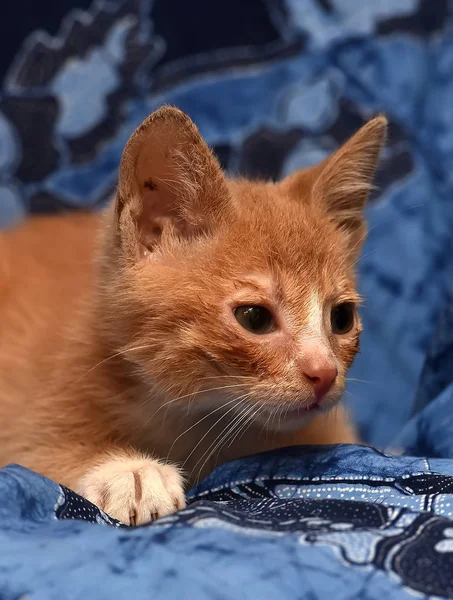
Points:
[133,488]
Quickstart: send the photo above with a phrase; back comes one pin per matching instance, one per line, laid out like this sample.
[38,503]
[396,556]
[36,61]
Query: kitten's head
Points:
[238,293]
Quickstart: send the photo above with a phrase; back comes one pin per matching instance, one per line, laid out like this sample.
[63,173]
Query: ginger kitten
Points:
[198,320]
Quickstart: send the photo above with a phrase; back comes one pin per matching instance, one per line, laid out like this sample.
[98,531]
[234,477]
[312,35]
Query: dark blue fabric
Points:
[430,430]
[273,85]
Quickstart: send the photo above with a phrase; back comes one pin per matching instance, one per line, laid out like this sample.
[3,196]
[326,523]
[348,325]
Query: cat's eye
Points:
[256,319]
[342,318]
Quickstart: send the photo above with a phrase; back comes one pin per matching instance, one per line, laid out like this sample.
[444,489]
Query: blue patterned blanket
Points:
[347,522]
[273,85]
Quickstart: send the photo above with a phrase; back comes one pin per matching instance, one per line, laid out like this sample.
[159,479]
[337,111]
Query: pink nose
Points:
[321,377]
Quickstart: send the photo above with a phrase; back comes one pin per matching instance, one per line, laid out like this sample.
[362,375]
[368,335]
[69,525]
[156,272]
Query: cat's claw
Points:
[134,490]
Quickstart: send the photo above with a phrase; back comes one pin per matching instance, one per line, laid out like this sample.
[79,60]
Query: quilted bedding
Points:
[273,86]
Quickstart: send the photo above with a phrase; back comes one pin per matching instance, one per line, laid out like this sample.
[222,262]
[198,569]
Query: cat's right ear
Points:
[170,184]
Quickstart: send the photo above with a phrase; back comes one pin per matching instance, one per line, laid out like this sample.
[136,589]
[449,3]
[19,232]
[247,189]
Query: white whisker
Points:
[210,429]
[217,443]
[246,420]
[246,424]
[200,421]
[122,352]
[173,400]
[227,377]
[223,387]
[360,380]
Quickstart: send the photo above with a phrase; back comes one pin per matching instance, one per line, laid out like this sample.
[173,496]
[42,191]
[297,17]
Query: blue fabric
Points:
[273,86]
[299,523]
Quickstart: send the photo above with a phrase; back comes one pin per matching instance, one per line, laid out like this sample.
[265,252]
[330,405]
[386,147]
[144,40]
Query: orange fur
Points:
[117,336]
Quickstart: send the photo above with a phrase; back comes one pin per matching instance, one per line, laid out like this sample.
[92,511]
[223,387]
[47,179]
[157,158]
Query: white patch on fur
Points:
[134,490]
[315,325]
[313,338]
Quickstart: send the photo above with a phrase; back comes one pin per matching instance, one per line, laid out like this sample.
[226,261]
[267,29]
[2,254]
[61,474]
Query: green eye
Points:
[256,319]
[342,318]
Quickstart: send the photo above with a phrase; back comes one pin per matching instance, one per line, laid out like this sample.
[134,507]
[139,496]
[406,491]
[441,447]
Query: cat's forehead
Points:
[284,231]
[291,243]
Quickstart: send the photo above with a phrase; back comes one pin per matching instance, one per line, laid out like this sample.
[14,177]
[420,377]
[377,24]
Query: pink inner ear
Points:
[157,214]
[160,213]
[156,179]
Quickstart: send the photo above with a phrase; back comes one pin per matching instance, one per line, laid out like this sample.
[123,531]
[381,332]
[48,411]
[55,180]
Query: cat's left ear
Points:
[346,178]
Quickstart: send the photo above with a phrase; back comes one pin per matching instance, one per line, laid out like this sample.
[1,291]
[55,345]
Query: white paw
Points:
[134,490]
